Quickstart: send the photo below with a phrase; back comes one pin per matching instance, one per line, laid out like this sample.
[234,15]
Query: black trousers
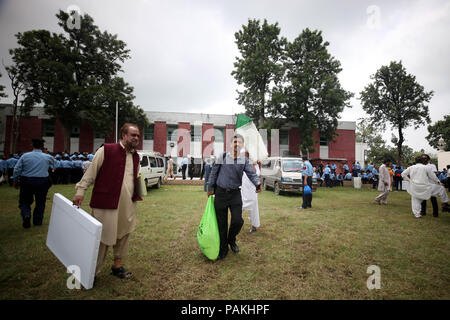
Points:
[328,180]
[307,198]
[183,171]
[398,183]
[33,189]
[222,202]
[434,203]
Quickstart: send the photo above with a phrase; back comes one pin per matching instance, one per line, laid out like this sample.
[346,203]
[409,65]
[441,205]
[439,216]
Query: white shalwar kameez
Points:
[422,185]
[250,199]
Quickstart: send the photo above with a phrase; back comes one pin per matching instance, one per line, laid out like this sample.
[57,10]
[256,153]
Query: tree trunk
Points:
[14,131]
[400,144]
[67,132]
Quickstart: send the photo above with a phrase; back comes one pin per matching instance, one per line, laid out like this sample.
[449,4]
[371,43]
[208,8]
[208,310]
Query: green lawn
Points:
[321,253]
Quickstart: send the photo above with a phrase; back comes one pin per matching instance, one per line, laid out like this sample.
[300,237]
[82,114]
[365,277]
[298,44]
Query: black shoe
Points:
[234,247]
[26,222]
[222,256]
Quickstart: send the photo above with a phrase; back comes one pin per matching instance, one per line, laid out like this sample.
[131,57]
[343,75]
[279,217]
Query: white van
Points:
[152,168]
[283,174]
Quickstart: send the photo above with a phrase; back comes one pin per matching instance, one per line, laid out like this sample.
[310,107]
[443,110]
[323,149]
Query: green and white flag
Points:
[253,142]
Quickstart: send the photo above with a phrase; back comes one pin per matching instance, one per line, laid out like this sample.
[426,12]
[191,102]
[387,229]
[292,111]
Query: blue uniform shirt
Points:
[348,176]
[33,164]
[2,166]
[231,172]
[308,169]
[66,164]
[11,163]
[374,171]
[327,170]
[345,167]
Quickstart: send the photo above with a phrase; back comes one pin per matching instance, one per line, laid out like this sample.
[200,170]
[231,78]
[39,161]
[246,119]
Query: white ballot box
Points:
[74,238]
[357,182]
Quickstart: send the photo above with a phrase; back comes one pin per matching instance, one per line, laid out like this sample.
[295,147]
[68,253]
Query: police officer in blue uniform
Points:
[226,179]
[307,174]
[31,172]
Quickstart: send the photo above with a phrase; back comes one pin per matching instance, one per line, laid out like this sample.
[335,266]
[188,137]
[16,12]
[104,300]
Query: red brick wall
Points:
[343,146]
[294,141]
[184,139]
[160,137]
[86,141]
[207,139]
[30,127]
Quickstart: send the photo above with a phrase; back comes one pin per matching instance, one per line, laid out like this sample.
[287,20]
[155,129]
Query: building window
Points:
[75,131]
[284,137]
[148,132]
[171,133]
[196,133]
[219,134]
[323,141]
[48,128]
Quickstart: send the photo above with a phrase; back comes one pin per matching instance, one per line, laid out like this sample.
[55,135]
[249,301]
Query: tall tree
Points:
[71,74]
[21,105]
[259,67]
[437,130]
[396,98]
[310,95]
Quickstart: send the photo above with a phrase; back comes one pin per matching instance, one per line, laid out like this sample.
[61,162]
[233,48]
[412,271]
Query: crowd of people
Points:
[331,176]
[67,168]
[234,185]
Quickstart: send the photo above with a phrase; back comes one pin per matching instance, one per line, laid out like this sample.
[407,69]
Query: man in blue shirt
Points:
[375,178]
[307,174]
[226,179]
[340,179]
[345,167]
[348,176]
[10,164]
[327,172]
[184,164]
[31,172]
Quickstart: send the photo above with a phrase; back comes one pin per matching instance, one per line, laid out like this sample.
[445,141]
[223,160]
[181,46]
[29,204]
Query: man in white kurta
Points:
[117,223]
[384,184]
[250,197]
[420,188]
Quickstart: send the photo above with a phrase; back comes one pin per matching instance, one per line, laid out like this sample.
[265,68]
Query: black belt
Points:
[227,190]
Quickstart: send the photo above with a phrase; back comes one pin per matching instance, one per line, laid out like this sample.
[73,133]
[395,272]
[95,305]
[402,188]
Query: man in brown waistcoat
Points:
[114,172]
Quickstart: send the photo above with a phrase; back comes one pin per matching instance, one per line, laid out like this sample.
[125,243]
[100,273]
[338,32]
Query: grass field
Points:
[321,253]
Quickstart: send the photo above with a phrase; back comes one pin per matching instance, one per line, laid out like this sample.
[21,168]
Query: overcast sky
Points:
[182,52]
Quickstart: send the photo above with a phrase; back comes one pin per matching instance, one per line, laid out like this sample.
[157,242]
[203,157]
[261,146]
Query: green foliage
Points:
[259,67]
[311,95]
[394,97]
[437,130]
[74,75]
[289,82]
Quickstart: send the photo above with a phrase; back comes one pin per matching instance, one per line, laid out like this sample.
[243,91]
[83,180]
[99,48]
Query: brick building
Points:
[172,133]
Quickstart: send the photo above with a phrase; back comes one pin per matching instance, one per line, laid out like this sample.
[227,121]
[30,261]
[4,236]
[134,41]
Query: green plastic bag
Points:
[208,232]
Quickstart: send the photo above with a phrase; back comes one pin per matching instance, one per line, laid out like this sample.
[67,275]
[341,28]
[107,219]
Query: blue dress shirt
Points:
[231,172]
[33,164]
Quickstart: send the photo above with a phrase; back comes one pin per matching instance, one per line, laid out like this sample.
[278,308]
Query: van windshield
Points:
[292,165]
